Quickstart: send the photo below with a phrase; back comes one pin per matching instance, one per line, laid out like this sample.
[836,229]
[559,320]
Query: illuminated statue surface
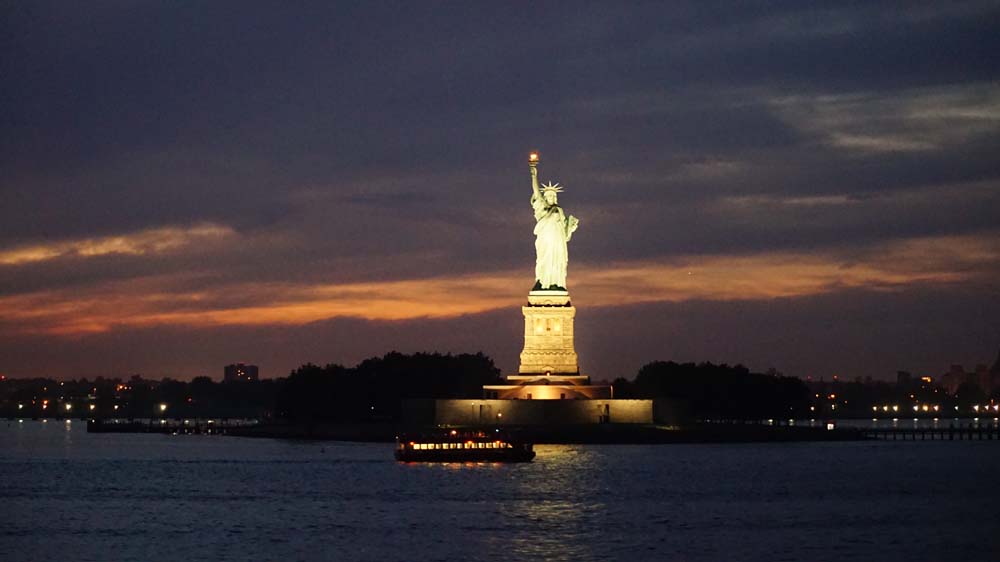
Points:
[553,230]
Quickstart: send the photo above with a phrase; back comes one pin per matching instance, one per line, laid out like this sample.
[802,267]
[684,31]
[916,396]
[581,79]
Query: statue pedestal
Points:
[549,369]
[548,335]
[546,387]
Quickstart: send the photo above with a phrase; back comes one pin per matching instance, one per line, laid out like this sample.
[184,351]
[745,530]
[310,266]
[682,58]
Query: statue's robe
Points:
[551,235]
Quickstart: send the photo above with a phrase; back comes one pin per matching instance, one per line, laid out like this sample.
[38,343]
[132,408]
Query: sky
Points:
[807,186]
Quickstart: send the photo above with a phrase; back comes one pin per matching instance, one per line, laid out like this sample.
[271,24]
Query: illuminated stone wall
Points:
[547,392]
[541,412]
[548,334]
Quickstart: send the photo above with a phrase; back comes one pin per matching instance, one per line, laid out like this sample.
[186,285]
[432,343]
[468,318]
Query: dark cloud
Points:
[380,141]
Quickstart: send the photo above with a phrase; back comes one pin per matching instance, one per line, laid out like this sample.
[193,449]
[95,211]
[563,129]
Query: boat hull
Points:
[465,455]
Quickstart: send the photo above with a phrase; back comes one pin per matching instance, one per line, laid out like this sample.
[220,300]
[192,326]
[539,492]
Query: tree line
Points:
[377,390]
[719,392]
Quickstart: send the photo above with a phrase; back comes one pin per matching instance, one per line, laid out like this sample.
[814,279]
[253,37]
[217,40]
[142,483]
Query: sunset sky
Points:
[808,186]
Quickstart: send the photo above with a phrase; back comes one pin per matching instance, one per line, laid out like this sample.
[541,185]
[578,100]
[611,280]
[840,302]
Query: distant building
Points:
[954,378]
[903,378]
[994,376]
[985,378]
[240,373]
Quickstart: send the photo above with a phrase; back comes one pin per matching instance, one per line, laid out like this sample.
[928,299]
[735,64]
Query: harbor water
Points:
[69,495]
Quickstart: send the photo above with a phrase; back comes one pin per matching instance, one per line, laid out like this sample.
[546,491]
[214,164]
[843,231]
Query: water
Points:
[69,495]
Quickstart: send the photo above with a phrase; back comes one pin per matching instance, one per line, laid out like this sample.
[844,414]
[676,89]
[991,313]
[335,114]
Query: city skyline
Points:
[808,188]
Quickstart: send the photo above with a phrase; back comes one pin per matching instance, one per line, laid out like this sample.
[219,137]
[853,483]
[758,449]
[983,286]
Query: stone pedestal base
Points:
[548,334]
[554,387]
[539,413]
[549,369]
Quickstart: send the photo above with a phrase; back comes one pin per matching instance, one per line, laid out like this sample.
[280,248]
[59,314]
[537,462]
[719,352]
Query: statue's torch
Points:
[533,159]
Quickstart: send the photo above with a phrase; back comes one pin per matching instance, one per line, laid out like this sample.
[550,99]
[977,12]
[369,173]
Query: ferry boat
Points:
[462,446]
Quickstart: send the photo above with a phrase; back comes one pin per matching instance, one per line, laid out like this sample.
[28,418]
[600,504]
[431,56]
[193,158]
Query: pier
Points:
[169,426]
[969,433]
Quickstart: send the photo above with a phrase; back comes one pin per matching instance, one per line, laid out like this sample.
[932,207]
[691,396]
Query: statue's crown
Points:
[553,187]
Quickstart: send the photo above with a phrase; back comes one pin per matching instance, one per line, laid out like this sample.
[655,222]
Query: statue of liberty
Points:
[553,229]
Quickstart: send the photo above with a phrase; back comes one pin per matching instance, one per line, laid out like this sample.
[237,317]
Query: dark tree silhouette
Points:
[376,388]
[721,392]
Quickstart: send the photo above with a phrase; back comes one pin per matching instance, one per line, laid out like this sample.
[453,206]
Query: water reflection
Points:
[451,466]
[466,465]
[553,512]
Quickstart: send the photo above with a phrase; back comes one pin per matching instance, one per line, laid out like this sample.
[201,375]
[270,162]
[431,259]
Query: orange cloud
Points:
[160,300]
[153,241]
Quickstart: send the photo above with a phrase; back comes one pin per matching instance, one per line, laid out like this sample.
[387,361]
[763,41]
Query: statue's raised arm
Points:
[534,183]
[553,229]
